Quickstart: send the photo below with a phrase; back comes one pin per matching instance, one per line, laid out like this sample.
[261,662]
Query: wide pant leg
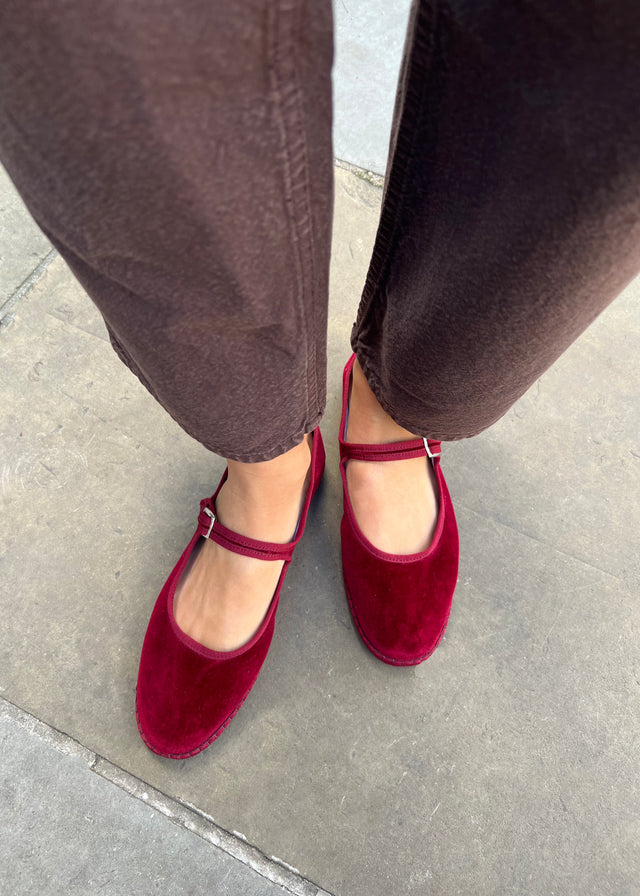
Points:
[178,155]
[511,215]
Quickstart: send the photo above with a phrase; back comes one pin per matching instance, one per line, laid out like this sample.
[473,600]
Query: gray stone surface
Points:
[22,245]
[368,48]
[66,829]
[505,764]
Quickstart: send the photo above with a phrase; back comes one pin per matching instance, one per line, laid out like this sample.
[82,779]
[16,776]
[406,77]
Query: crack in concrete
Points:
[498,522]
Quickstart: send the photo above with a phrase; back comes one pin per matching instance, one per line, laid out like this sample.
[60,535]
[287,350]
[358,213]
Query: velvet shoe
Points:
[187,694]
[400,603]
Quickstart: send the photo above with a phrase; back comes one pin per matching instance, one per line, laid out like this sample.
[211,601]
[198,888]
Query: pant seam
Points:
[288,111]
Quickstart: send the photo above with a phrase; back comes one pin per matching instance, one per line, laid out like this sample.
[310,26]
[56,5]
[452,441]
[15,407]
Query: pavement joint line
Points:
[7,307]
[376,180]
[55,738]
[193,819]
[181,813]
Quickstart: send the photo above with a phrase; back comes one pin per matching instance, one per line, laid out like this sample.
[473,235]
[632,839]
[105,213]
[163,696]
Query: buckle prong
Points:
[212,516]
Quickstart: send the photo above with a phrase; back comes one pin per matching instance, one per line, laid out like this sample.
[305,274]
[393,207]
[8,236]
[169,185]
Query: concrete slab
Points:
[22,245]
[369,36]
[502,765]
[68,829]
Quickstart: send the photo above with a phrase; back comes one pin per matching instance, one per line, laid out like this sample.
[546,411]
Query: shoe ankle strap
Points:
[210,527]
[393,451]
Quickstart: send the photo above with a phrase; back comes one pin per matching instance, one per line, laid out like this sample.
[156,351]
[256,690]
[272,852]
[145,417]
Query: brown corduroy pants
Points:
[178,155]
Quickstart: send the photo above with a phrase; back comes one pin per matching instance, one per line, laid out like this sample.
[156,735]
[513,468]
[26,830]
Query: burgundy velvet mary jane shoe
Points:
[187,694]
[400,603]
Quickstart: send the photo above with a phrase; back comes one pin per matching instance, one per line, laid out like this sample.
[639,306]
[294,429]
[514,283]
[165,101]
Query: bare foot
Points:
[223,597]
[395,502]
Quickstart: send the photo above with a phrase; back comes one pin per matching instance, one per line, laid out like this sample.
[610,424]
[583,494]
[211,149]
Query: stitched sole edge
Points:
[203,746]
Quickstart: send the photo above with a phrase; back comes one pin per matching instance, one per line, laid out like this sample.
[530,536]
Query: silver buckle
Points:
[430,454]
[213,519]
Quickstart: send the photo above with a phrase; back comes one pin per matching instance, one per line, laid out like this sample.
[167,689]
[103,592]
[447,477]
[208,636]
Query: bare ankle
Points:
[284,468]
[263,500]
[368,421]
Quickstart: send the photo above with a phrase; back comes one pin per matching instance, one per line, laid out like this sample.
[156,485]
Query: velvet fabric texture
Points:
[187,694]
[400,603]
